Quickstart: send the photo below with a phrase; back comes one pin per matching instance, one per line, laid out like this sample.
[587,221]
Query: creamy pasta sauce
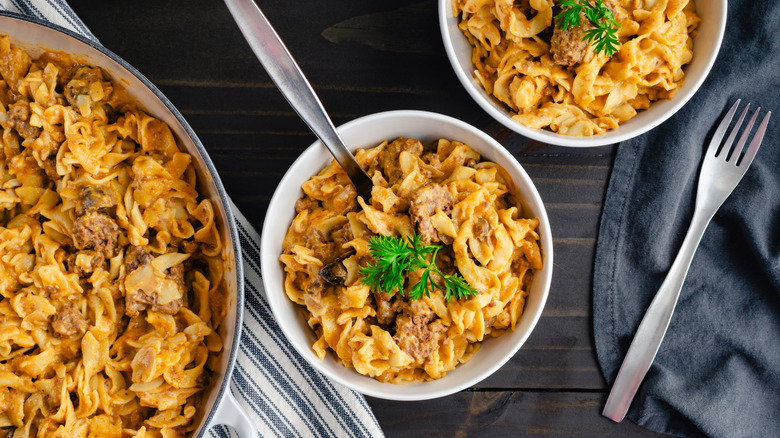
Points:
[111,266]
[447,195]
[552,79]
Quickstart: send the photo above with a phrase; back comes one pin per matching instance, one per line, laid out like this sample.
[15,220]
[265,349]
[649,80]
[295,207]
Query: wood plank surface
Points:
[364,57]
[503,413]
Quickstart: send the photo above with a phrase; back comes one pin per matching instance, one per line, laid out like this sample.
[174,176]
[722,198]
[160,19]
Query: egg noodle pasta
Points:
[552,79]
[445,194]
[111,266]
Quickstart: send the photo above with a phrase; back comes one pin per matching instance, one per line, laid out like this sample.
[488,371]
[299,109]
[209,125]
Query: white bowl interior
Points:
[35,39]
[367,132]
[705,49]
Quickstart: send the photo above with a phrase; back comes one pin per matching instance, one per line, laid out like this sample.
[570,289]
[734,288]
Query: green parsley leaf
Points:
[603,37]
[397,257]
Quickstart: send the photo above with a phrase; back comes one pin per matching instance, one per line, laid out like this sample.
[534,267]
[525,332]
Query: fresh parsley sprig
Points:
[603,36]
[397,257]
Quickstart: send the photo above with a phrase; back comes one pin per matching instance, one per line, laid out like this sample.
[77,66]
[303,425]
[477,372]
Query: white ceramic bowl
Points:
[705,49]
[367,132]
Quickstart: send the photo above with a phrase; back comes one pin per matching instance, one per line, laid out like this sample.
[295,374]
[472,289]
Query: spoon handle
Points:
[288,77]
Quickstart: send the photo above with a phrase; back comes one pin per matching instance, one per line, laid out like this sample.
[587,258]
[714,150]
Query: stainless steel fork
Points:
[721,170]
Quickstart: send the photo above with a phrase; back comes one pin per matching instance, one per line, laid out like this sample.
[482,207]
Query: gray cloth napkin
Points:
[280,391]
[717,372]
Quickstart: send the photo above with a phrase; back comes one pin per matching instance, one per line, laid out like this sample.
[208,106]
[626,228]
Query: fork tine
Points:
[750,153]
[713,149]
[737,152]
[734,131]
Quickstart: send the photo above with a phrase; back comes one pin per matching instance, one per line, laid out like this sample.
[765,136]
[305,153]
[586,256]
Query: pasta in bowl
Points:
[367,339]
[547,71]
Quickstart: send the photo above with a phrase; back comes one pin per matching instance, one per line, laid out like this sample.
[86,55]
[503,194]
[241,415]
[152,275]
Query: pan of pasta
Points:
[120,269]
[581,72]
[429,286]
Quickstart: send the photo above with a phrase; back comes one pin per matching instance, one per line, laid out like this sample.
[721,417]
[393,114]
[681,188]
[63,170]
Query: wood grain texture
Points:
[364,57]
[503,413]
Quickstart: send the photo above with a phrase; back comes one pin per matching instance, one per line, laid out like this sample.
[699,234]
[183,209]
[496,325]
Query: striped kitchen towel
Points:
[281,392]
[286,395]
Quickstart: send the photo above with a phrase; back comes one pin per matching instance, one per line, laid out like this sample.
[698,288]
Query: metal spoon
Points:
[289,78]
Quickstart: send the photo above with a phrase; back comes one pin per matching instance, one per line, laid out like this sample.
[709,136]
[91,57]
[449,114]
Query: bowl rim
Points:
[222,389]
[391,391]
[446,23]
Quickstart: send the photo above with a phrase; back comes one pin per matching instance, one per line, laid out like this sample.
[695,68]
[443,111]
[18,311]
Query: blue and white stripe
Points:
[328,408]
[53,11]
[281,392]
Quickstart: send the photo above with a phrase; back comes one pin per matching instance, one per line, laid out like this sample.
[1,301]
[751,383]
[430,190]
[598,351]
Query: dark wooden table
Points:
[364,57]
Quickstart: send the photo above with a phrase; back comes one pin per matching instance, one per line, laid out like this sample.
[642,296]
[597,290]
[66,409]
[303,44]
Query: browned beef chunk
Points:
[176,273]
[19,118]
[432,158]
[306,203]
[323,249]
[416,337]
[568,47]
[135,257]
[389,157]
[139,301]
[189,246]
[346,232]
[312,284]
[136,417]
[423,205]
[50,167]
[96,231]
[95,261]
[482,228]
[386,307]
[68,321]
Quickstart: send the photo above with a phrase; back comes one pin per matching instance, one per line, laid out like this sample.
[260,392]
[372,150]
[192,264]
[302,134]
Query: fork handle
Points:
[653,327]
